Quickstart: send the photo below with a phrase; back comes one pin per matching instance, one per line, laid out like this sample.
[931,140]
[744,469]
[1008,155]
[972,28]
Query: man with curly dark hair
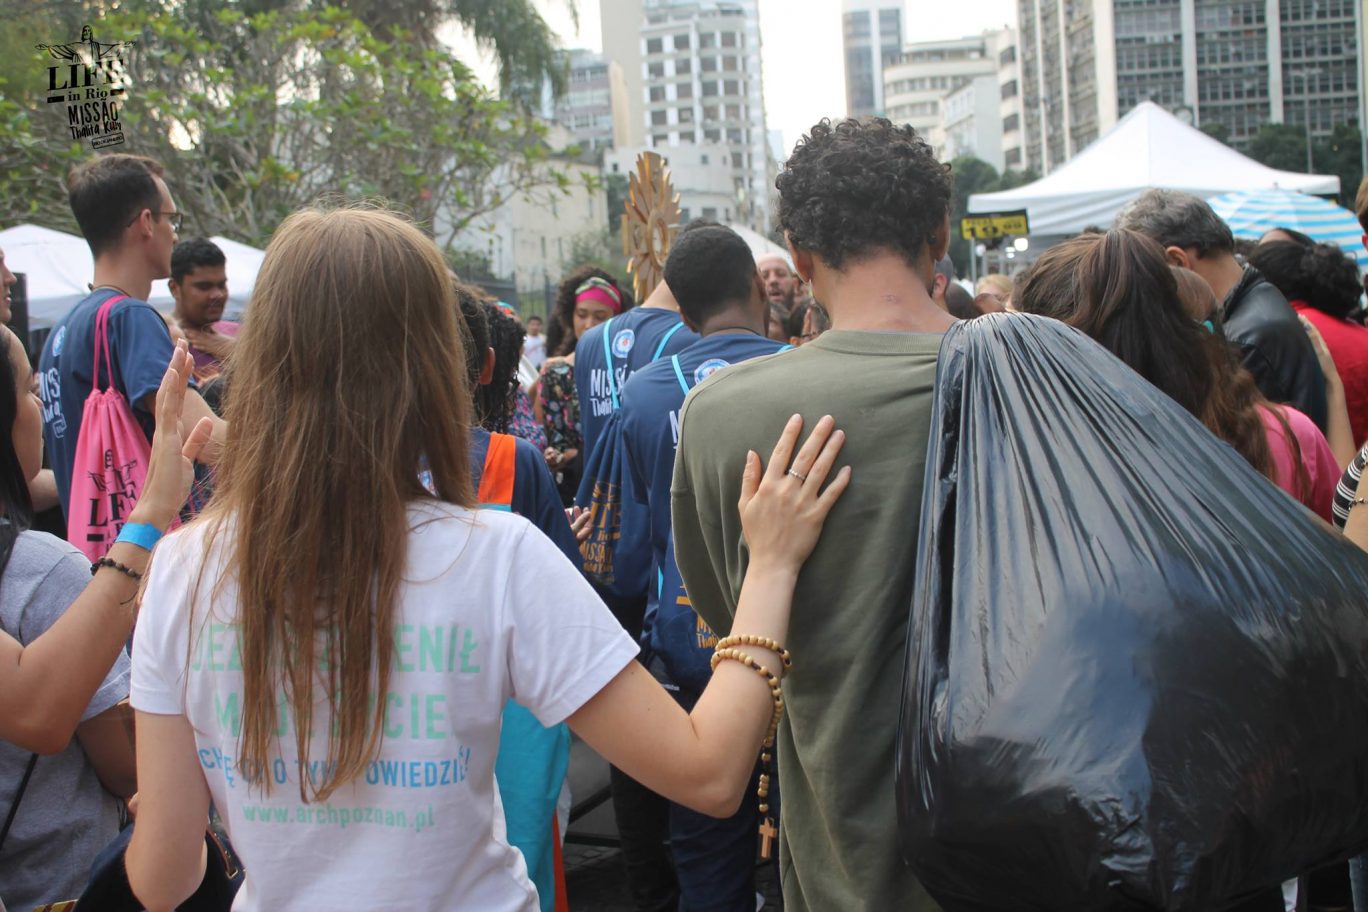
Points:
[865,207]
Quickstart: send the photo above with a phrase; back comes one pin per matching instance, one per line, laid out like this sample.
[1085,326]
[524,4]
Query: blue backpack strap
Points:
[665,339]
[608,361]
[679,374]
[785,348]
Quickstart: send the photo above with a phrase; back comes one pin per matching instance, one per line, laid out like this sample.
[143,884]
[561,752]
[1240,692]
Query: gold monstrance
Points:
[650,222]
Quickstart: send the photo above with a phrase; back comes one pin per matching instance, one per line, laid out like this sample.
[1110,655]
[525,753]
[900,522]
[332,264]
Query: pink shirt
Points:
[1322,470]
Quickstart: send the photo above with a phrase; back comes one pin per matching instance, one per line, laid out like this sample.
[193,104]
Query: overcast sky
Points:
[804,71]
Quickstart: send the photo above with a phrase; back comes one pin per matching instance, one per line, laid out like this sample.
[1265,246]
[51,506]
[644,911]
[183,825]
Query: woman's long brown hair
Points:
[348,374]
[1118,288]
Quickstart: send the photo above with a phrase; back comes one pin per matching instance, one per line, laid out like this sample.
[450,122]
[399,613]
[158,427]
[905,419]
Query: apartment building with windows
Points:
[872,33]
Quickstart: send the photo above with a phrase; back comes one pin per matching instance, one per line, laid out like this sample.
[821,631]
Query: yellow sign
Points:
[994,225]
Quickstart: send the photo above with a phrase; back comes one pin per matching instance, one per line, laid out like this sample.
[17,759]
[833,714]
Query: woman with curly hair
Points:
[1322,285]
[587,297]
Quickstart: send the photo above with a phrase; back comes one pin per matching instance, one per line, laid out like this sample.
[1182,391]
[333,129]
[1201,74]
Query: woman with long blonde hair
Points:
[325,653]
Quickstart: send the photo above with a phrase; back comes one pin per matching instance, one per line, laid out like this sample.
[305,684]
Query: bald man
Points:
[781,285]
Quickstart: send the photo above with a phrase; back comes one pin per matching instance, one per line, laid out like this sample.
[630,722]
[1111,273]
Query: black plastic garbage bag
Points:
[1137,672]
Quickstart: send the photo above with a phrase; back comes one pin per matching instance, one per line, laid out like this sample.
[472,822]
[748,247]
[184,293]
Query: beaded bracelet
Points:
[115,565]
[767,829]
[746,639]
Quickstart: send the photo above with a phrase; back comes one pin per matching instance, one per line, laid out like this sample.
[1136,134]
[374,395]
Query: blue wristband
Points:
[144,535]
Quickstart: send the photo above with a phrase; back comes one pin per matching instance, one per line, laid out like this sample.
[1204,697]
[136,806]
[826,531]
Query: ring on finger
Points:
[796,475]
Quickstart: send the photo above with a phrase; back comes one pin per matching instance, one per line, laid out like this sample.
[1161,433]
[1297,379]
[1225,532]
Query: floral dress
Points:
[560,406]
[524,424]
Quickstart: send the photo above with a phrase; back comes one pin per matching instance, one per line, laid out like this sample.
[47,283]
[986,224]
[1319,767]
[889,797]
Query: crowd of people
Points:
[375,552]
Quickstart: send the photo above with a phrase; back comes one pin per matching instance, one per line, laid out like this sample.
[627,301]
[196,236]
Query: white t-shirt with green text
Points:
[490,610]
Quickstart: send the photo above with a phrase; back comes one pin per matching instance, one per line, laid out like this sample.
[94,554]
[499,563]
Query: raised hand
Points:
[171,470]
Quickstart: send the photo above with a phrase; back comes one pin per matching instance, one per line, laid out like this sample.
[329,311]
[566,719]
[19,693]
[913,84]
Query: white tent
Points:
[1148,148]
[58,269]
[759,244]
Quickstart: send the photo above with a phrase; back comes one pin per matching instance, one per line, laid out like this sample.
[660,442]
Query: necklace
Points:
[115,287]
[722,329]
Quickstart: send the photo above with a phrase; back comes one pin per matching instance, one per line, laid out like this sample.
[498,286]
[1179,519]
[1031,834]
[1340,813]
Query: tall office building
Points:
[873,36]
[693,70]
[916,84]
[1231,64]
[586,108]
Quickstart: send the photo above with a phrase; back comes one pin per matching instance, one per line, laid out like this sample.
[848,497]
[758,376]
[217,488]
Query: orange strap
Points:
[496,481]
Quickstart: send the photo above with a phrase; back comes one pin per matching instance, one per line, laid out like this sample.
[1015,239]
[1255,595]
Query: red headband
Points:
[596,289]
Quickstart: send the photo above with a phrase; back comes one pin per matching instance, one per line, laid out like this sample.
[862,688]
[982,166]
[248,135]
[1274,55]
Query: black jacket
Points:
[1276,348]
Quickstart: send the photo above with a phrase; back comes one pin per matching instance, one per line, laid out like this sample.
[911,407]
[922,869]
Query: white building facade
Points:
[872,36]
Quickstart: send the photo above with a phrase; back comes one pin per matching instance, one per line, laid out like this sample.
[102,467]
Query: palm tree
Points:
[523,44]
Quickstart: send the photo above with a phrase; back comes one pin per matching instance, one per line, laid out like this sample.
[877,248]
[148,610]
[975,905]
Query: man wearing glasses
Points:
[130,222]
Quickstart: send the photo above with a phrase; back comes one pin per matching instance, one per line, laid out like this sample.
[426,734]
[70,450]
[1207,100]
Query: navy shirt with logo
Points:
[634,339]
[140,346]
[650,433]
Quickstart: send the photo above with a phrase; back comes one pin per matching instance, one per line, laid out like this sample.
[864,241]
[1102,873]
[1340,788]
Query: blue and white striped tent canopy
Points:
[1251,213]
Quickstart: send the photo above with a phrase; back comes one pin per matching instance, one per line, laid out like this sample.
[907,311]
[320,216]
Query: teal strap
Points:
[679,374]
[661,347]
[785,348]
[608,361]
[502,508]
[660,583]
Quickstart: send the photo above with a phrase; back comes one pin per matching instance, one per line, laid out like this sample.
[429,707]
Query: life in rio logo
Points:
[90,80]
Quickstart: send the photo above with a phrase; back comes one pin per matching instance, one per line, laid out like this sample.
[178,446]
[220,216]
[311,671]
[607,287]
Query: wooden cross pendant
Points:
[767,833]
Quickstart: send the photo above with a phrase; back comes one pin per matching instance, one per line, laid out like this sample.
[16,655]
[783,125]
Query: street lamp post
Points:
[1305,77]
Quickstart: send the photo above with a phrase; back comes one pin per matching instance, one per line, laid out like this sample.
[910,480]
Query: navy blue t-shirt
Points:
[140,346]
[649,417]
[535,497]
[633,340]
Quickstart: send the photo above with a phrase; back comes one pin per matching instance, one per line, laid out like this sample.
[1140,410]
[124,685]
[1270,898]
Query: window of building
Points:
[686,136]
[731,87]
[712,135]
[710,112]
[683,67]
[657,93]
[660,140]
[653,46]
[681,42]
[1011,122]
[709,89]
[733,112]
[733,136]
[729,39]
[738,160]
[710,212]
[684,217]
[686,115]
[729,64]
[1013,157]
[1009,89]
[707,40]
[684,90]
[657,70]
[659,118]
[707,64]
[703,159]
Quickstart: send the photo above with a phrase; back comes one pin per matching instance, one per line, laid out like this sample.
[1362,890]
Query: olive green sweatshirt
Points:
[838,842]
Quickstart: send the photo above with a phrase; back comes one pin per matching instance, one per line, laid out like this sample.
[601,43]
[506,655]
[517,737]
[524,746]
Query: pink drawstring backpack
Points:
[111,456]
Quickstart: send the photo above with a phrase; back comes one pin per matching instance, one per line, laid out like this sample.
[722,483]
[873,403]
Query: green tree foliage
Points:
[514,31]
[972,175]
[601,248]
[1341,153]
[1281,146]
[1217,131]
[256,115]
